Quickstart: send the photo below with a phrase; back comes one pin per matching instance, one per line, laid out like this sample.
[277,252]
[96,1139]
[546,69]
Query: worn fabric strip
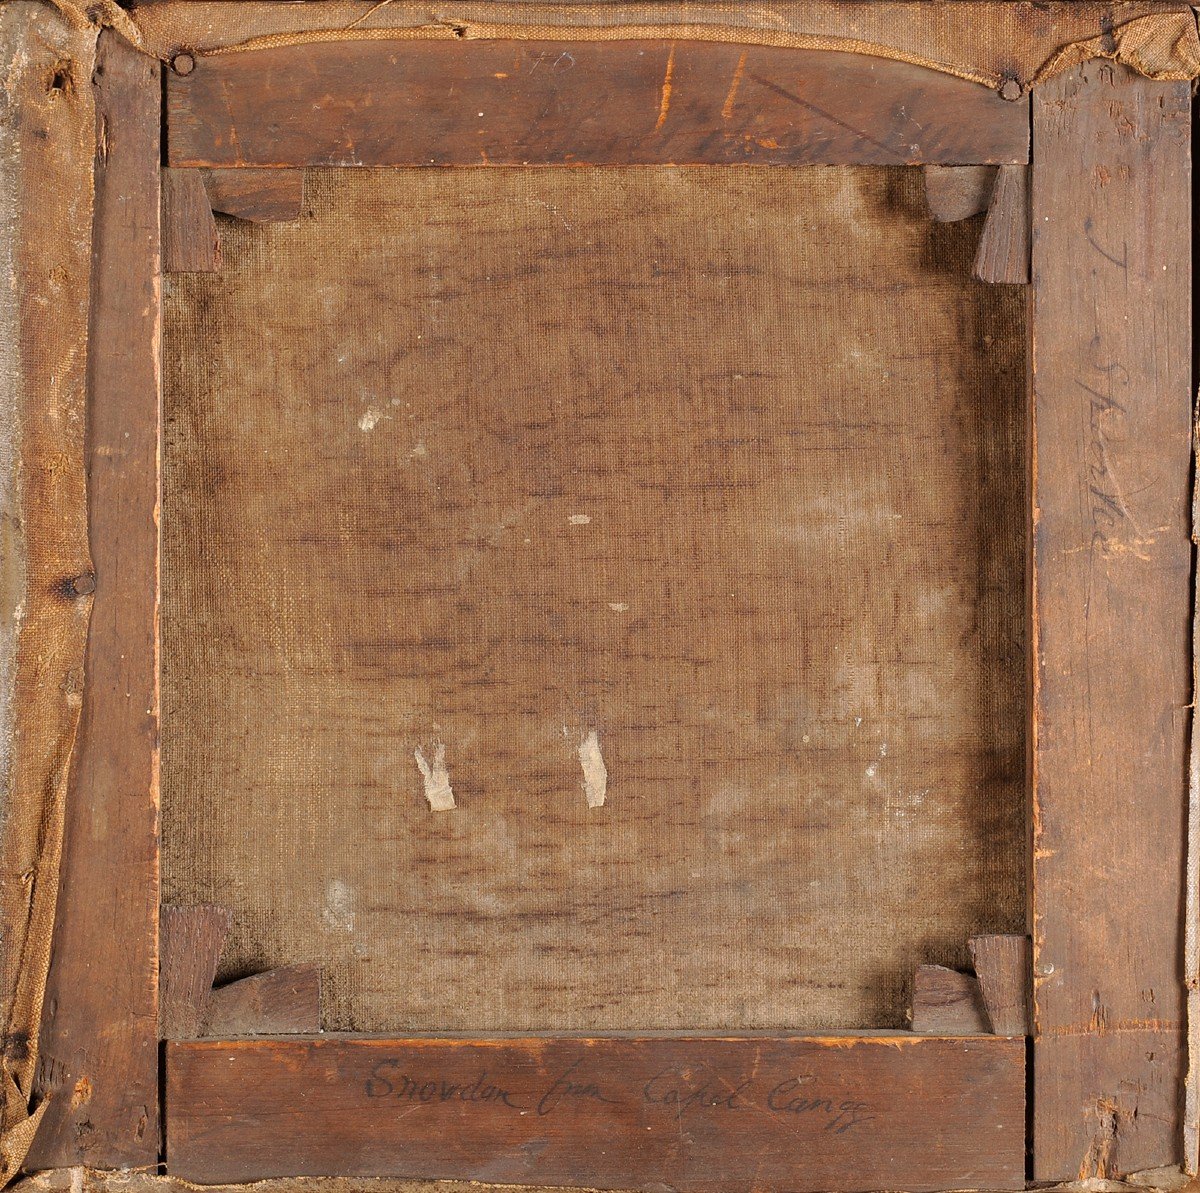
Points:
[47,136]
[483,30]
[1160,44]
[97,15]
[1165,47]
[986,43]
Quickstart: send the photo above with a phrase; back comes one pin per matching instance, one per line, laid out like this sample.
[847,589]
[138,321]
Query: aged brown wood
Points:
[1003,254]
[1002,966]
[381,103]
[958,192]
[191,940]
[190,944]
[1111,564]
[946,1002]
[100,1041]
[190,243]
[261,196]
[737,1113]
[47,143]
[281,1001]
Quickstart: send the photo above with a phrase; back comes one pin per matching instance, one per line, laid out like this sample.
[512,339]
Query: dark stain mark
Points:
[16,1046]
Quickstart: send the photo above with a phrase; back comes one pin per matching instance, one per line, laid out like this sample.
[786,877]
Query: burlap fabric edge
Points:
[1161,45]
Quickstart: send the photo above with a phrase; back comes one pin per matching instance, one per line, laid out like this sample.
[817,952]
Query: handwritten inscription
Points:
[1108,508]
[839,1115]
[676,1090]
[386,1082]
[568,1086]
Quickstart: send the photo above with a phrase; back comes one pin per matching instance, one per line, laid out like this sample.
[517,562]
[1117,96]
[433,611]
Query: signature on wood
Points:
[567,1086]
[385,1082]
[674,1089]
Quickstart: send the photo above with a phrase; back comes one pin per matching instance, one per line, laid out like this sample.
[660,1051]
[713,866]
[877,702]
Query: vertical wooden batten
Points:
[47,135]
[99,1061]
[1110,604]
[190,243]
[1003,254]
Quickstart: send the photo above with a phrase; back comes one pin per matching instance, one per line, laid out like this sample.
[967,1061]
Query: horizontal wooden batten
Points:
[689,1113]
[471,103]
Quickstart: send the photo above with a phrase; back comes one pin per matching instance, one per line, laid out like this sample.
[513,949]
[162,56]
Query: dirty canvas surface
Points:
[663,530]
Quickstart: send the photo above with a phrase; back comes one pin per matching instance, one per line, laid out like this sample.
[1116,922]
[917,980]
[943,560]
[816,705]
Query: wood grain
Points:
[956,193]
[737,1113]
[190,243]
[653,102]
[192,939]
[1003,254]
[261,196]
[47,146]
[278,1002]
[190,943]
[946,1002]
[1110,606]
[100,1039]
[1002,967]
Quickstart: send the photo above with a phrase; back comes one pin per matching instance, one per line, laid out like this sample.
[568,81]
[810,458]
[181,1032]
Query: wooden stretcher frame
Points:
[1094,200]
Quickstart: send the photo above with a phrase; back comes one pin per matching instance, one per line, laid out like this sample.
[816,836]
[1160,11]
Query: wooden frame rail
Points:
[99,1060]
[572,103]
[1110,569]
[695,1113]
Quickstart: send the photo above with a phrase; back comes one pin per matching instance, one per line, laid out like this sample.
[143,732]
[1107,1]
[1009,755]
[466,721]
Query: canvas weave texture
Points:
[708,479]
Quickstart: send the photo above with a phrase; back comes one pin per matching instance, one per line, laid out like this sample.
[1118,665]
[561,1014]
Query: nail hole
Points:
[61,78]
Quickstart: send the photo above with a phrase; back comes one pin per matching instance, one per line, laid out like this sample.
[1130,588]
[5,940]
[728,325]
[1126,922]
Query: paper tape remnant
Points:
[595,773]
[437,778]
